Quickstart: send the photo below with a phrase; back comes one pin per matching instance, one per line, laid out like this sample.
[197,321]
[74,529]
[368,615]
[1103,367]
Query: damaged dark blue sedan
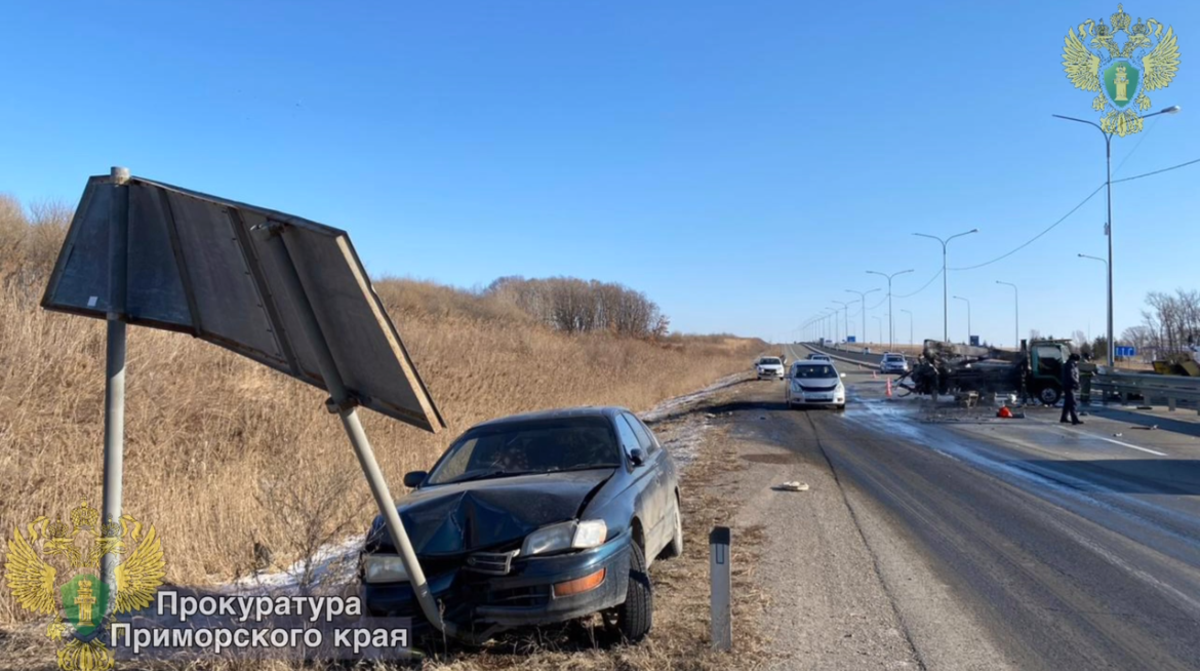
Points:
[532,520]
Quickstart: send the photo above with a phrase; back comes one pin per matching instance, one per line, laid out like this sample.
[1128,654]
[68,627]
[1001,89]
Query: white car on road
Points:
[770,368]
[815,383]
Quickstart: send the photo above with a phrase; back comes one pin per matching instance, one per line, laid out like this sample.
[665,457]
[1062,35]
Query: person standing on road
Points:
[1070,385]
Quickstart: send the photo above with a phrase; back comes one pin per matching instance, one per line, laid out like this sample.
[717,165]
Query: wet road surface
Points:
[1072,547]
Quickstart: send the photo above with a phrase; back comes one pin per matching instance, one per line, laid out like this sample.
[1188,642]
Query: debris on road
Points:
[793,486]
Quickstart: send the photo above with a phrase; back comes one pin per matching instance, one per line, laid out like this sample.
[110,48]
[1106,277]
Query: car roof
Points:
[813,362]
[608,412]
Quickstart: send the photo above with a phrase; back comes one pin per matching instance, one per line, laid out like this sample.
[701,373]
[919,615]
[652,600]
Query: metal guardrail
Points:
[1171,388]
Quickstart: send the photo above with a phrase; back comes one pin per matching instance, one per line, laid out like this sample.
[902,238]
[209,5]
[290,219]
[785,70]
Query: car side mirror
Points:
[637,456]
[414,478]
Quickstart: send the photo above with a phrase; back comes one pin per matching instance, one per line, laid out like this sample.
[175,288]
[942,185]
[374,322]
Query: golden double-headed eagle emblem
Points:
[54,552]
[1122,61]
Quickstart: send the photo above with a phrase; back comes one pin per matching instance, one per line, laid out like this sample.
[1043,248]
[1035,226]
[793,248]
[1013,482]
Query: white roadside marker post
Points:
[721,581]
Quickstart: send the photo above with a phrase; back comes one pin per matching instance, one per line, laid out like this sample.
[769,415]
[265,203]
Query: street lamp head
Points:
[1173,109]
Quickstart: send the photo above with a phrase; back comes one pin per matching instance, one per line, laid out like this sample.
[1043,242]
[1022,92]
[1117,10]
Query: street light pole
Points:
[891,331]
[945,280]
[1108,232]
[1106,273]
[880,320]
[910,325]
[960,298]
[845,316]
[862,295]
[1016,313]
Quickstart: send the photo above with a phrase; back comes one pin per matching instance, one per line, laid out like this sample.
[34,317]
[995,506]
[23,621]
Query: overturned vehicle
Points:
[1033,372]
[531,520]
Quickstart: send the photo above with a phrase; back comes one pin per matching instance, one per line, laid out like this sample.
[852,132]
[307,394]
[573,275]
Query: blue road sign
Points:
[850,339]
[1124,351]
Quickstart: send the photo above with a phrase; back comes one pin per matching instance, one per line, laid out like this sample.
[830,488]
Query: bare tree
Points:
[1171,322]
[572,305]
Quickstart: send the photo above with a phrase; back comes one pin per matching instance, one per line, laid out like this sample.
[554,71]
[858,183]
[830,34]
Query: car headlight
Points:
[565,536]
[383,568]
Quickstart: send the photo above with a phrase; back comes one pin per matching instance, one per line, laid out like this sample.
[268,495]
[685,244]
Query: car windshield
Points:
[521,448]
[814,372]
[768,362]
[893,357]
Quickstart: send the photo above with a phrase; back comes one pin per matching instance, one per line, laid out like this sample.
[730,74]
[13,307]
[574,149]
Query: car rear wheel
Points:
[675,547]
[634,617]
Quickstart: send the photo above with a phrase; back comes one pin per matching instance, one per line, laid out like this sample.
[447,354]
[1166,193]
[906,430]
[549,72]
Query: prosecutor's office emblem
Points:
[81,603]
[1122,62]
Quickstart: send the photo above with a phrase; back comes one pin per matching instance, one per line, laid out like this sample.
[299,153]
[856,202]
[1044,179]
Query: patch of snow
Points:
[682,438]
[672,405]
[334,567]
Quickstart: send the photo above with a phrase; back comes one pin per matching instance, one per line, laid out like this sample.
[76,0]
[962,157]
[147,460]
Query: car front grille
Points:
[491,563]
[818,389]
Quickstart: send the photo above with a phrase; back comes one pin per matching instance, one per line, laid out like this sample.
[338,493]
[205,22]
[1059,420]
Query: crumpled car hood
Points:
[456,518]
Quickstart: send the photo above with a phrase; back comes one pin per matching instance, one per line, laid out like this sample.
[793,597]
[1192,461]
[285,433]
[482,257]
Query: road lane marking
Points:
[1116,442]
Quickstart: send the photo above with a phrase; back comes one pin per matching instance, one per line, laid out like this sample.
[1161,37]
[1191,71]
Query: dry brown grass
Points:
[210,436]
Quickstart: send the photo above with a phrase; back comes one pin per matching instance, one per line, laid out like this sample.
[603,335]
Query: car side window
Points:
[628,437]
[643,434]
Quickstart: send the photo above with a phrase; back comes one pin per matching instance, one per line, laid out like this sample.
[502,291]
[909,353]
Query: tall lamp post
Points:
[910,325]
[862,295]
[1097,258]
[891,331]
[1016,313]
[945,281]
[960,298]
[845,317]
[880,320]
[1174,109]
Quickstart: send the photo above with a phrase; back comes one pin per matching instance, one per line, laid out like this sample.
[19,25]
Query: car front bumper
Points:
[817,398]
[524,596]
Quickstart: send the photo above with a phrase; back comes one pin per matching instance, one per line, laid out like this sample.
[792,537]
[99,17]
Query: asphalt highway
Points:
[1069,547]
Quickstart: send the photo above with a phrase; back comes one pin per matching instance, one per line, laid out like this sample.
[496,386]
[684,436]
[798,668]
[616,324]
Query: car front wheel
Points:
[634,617]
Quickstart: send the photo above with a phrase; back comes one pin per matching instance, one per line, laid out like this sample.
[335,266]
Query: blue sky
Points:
[742,163]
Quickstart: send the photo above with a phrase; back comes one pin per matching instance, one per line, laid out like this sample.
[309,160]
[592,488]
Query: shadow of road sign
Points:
[201,265]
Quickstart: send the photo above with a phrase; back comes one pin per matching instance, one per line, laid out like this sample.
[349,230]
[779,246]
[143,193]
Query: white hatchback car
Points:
[815,383]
